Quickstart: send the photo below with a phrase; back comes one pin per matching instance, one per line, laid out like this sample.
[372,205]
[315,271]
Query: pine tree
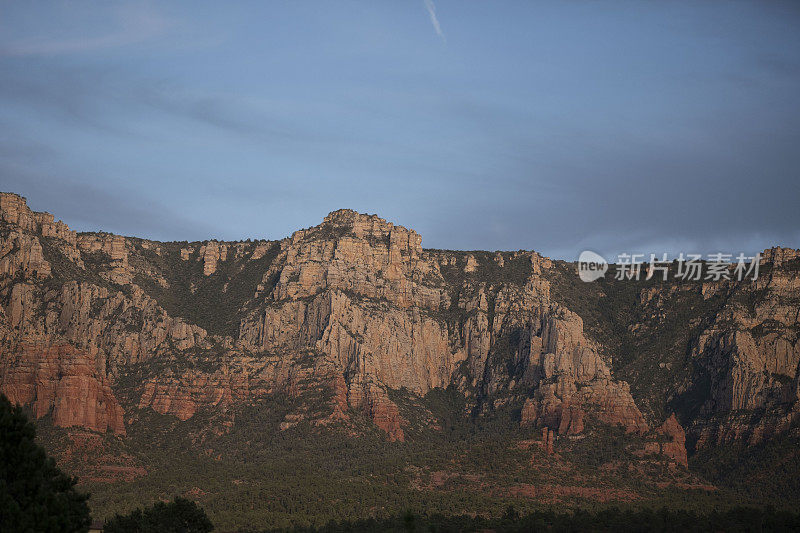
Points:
[178,516]
[34,494]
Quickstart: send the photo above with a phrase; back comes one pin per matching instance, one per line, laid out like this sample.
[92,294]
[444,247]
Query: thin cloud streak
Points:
[431,7]
[136,24]
[109,100]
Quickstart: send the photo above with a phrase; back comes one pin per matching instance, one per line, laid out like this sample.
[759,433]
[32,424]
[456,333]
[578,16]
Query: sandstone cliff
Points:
[96,327]
[750,357]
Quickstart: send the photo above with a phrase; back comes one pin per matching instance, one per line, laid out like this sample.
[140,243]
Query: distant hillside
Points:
[346,372]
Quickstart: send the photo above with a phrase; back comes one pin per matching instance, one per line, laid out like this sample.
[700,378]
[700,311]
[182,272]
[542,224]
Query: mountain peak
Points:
[350,218]
[361,226]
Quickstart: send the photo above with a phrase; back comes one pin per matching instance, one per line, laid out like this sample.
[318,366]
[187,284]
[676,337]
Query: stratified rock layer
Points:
[61,381]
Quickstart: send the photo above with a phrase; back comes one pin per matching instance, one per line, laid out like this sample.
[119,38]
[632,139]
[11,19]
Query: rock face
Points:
[212,253]
[114,247]
[97,326]
[675,444]
[363,293]
[572,379]
[751,357]
[64,382]
[351,290]
[14,211]
[23,253]
[360,254]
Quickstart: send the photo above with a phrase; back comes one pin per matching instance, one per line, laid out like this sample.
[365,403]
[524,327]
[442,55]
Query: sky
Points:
[618,127]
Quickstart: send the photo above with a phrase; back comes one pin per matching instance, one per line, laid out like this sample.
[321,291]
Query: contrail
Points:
[431,7]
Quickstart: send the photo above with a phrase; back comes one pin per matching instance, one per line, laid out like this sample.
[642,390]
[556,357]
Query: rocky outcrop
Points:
[778,256]
[352,290]
[114,246]
[22,254]
[22,231]
[674,445]
[183,394]
[373,400]
[665,441]
[55,229]
[751,356]
[356,253]
[363,292]
[571,380]
[212,253]
[14,210]
[63,382]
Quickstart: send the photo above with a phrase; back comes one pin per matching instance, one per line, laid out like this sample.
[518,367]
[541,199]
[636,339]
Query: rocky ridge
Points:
[96,327]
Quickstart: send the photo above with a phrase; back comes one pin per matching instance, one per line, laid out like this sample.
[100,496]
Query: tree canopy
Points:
[178,516]
[34,494]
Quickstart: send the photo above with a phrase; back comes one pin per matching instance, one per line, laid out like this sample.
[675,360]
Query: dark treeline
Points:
[736,519]
[178,516]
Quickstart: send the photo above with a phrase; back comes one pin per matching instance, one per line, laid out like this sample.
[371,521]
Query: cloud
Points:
[113,100]
[134,24]
[431,7]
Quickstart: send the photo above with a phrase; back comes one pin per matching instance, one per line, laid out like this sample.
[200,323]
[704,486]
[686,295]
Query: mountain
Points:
[346,372]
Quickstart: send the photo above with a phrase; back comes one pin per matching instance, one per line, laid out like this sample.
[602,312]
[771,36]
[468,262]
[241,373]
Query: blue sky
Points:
[555,126]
